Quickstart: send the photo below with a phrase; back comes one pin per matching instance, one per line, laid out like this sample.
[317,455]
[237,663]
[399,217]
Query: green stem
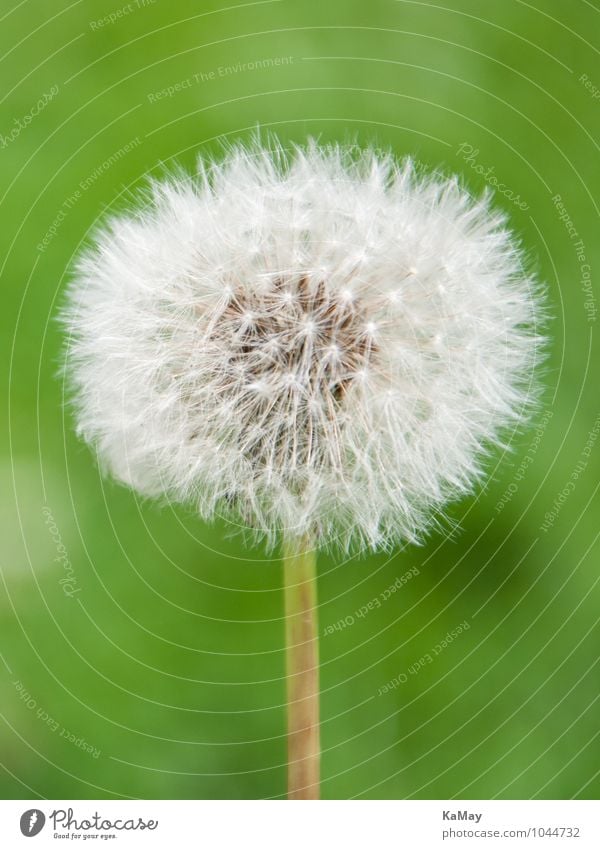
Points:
[302,667]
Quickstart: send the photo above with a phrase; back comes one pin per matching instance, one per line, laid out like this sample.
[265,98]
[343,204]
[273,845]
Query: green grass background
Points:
[168,660]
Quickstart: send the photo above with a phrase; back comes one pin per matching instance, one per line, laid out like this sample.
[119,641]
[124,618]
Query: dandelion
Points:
[319,346]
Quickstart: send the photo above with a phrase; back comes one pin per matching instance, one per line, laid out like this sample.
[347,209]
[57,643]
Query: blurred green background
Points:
[155,668]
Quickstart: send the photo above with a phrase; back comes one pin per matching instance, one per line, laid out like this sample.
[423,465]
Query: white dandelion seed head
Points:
[317,343]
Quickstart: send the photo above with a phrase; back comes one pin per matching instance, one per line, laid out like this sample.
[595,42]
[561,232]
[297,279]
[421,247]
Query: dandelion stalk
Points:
[302,667]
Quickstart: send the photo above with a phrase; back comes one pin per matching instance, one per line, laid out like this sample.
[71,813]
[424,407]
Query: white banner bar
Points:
[298,825]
